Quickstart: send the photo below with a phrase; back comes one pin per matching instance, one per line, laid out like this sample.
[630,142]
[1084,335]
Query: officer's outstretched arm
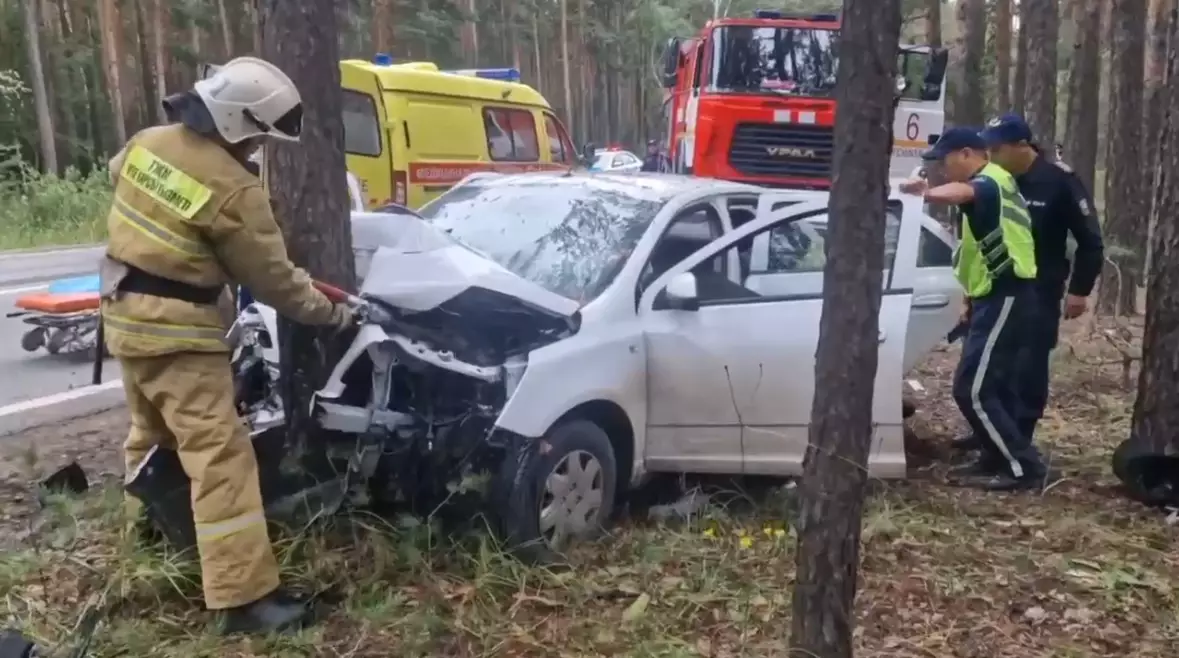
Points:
[250,246]
[950,194]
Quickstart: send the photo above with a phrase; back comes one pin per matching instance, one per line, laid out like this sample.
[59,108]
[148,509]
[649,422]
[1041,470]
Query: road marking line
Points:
[13,291]
[58,398]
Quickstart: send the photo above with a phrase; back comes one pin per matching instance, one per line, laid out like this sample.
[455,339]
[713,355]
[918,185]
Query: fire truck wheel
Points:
[32,341]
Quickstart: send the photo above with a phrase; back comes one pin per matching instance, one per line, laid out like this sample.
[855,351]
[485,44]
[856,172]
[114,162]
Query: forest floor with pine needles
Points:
[1076,570]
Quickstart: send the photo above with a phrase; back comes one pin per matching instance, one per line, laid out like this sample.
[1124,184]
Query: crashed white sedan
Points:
[570,334]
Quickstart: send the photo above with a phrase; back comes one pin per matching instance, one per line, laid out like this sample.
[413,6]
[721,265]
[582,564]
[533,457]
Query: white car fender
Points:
[367,336]
[258,317]
[611,366]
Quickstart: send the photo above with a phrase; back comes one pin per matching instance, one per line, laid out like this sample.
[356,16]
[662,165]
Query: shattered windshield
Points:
[571,239]
[787,60]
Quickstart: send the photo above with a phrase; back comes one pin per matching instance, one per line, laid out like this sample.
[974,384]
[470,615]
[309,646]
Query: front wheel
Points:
[561,492]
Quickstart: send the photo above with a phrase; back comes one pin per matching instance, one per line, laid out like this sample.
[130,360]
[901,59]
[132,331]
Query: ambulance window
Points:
[362,131]
[560,150]
[511,135]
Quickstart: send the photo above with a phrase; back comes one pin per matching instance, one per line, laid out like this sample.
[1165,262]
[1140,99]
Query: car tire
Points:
[544,475]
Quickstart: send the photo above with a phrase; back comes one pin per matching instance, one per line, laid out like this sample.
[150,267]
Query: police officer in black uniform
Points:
[655,160]
[1060,206]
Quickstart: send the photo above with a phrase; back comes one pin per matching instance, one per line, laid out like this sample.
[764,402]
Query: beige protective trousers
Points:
[184,401]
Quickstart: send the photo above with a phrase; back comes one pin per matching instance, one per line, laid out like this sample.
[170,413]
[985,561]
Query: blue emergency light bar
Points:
[383,59]
[503,75]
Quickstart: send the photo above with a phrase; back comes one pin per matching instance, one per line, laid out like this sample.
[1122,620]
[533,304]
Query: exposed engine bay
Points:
[409,412]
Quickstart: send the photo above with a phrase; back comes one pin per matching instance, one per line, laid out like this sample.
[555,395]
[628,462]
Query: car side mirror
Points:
[681,292]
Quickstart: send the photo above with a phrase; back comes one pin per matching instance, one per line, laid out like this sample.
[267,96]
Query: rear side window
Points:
[511,135]
[362,129]
[560,149]
[932,251]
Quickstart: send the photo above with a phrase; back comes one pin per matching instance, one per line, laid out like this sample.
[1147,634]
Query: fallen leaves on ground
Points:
[1073,571]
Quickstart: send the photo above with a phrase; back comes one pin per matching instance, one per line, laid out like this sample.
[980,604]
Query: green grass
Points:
[41,210]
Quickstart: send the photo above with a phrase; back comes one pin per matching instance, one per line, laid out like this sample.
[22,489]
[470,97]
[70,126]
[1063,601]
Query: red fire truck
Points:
[752,100]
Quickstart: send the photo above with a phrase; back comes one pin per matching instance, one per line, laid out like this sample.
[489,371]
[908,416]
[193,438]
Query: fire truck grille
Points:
[769,149]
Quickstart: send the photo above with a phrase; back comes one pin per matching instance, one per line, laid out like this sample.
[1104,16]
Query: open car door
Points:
[787,262]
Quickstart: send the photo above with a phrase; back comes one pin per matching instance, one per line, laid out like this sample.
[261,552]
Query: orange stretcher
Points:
[46,302]
[64,319]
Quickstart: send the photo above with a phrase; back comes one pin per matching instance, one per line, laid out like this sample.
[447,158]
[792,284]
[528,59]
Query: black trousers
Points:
[985,385]
[1034,359]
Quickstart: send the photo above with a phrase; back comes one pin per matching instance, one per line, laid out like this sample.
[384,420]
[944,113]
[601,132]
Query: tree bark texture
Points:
[969,105]
[1003,55]
[1040,86]
[1125,182]
[835,470]
[40,93]
[1156,410]
[1019,85]
[308,185]
[1155,109]
[1084,88]
[933,23]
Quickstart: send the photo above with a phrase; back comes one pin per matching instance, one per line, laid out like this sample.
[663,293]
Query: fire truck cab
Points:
[752,100]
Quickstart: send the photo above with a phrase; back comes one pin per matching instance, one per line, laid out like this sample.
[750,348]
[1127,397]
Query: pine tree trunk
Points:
[1019,85]
[45,132]
[969,106]
[309,190]
[835,469]
[160,17]
[226,31]
[1125,184]
[1155,112]
[1040,95]
[566,81]
[1003,55]
[933,23]
[1080,137]
[110,26]
[1156,410]
[147,112]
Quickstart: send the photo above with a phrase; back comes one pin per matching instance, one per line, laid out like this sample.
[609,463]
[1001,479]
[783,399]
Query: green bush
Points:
[44,210]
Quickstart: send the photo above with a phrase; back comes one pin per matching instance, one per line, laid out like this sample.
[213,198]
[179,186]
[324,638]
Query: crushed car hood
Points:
[451,296]
[416,267]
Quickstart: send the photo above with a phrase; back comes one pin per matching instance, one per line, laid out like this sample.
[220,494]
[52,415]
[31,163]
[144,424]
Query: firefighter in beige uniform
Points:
[187,219]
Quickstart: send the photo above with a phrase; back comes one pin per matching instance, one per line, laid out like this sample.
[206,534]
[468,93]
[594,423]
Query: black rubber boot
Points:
[966,443]
[276,612]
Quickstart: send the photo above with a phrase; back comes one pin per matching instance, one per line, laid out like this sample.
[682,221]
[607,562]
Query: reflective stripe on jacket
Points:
[1010,247]
[185,210]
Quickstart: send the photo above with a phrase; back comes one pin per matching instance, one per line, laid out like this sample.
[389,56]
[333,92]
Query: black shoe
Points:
[1030,482]
[966,443]
[978,468]
[274,613]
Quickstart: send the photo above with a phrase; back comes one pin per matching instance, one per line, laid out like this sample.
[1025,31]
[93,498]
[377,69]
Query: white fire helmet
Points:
[250,97]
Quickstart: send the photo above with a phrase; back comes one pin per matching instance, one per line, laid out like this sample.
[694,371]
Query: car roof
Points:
[651,186]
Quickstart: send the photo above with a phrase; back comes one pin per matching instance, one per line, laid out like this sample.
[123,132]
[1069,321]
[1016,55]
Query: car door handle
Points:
[880,337]
[931,301]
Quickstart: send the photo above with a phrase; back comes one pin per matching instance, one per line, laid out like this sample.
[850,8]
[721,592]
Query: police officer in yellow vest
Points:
[996,264]
[187,219]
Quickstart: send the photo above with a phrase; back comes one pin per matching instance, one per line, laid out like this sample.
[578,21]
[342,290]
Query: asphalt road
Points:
[31,375]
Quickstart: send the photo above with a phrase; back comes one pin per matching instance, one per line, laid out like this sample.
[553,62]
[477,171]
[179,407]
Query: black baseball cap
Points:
[1007,129]
[954,139]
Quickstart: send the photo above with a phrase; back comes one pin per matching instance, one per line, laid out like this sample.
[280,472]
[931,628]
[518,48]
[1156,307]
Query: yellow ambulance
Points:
[411,131]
